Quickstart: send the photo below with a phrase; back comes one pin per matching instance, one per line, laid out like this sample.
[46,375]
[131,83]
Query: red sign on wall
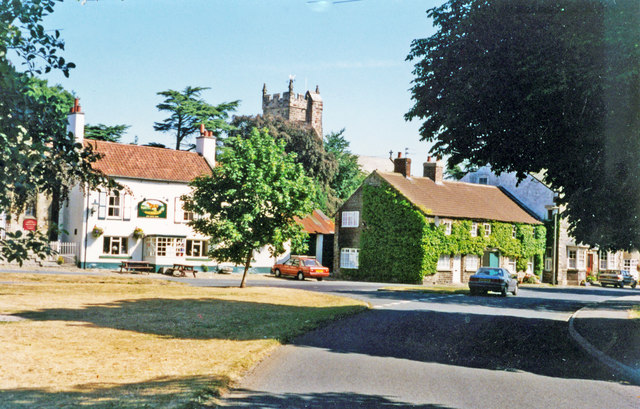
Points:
[30,224]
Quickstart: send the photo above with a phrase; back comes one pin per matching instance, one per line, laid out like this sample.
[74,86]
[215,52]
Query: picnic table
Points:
[136,266]
[183,269]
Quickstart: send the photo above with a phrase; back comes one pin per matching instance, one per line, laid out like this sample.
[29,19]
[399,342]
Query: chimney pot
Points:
[399,154]
[202,129]
[402,166]
[433,170]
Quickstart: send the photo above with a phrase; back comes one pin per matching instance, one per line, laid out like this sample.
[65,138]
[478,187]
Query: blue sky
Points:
[127,51]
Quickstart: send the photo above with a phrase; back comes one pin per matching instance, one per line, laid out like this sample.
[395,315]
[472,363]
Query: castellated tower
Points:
[293,107]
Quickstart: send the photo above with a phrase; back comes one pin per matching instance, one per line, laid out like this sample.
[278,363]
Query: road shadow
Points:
[195,318]
[589,290]
[156,393]
[501,343]
[335,400]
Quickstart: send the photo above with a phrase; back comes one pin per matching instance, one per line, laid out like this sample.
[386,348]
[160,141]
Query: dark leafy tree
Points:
[38,155]
[156,145]
[188,110]
[319,164]
[106,133]
[348,175]
[546,85]
[251,200]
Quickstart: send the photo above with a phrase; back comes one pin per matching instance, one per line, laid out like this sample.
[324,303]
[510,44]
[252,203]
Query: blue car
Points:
[493,279]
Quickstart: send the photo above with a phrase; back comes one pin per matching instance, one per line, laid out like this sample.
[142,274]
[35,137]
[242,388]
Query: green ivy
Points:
[392,225]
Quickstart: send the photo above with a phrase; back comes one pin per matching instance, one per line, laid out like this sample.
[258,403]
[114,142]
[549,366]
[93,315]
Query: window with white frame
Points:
[513,232]
[117,246]
[482,180]
[351,219]
[530,265]
[582,259]
[447,227]
[548,264]
[113,206]
[349,258]
[611,262]
[471,262]
[604,255]
[631,264]
[196,248]
[487,230]
[571,259]
[474,229]
[444,262]
[181,215]
[511,265]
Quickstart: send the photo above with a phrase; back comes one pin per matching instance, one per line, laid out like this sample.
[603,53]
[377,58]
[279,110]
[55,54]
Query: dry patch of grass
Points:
[442,289]
[131,343]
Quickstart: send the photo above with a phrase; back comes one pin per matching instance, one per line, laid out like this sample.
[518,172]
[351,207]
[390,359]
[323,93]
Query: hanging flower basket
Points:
[138,233]
[97,231]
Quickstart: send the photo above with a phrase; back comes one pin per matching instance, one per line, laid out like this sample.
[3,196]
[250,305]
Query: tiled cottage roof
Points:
[458,199]
[317,222]
[146,162]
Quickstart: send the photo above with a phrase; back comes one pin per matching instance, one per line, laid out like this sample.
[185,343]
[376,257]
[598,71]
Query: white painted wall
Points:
[78,220]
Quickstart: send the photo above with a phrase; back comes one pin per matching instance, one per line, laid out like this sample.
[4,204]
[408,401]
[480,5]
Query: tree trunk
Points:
[246,268]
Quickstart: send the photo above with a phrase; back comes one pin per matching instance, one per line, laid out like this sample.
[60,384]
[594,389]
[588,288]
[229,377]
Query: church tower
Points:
[294,107]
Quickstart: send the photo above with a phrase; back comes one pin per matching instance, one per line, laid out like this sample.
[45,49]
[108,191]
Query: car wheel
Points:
[621,285]
[515,290]
[603,285]
[319,278]
[472,291]
[634,285]
[300,275]
[504,291]
[277,273]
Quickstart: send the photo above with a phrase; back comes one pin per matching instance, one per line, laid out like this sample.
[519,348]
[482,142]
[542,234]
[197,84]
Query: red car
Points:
[301,267]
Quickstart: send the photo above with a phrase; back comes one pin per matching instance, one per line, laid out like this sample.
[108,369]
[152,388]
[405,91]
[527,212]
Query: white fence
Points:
[67,250]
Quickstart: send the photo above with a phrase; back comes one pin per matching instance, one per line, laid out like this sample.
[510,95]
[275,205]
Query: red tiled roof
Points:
[146,162]
[317,222]
[458,199]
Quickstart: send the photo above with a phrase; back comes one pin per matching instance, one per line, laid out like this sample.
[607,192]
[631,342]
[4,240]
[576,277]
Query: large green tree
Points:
[348,175]
[108,133]
[188,110]
[251,199]
[543,85]
[37,155]
[302,140]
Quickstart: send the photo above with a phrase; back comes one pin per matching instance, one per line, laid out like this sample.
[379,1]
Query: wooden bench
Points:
[136,266]
[183,269]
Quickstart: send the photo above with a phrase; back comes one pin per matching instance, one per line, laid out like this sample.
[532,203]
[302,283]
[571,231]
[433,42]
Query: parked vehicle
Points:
[617,279]
[493,279]
[301,267]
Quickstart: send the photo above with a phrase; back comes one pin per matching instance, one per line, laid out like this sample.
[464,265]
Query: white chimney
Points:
[75,123]
[206,146]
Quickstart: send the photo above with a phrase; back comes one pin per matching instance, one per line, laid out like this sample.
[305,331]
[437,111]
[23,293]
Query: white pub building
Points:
[145,221]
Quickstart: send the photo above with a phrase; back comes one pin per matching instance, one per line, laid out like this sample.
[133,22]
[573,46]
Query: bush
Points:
[60,260]
[529,279]
[205,268]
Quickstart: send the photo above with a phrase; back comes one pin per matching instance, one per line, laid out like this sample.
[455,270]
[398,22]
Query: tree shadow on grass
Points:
[156,393]
[250,399]
[197,318]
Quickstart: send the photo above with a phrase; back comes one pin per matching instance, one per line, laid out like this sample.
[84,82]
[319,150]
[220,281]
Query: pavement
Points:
[608,332]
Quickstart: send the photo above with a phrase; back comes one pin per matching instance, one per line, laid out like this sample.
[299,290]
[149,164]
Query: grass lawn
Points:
[115,342]
[635,313]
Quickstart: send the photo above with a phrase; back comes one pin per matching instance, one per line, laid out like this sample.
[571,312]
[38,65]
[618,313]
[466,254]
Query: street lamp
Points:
[554,273]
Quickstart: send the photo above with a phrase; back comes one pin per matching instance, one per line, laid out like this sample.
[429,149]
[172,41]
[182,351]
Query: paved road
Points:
[440,351]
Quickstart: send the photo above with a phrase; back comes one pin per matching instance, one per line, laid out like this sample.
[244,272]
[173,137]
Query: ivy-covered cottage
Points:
[401,228]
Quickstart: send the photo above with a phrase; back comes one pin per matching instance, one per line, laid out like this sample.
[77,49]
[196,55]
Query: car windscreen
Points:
[311,262]
[490,272]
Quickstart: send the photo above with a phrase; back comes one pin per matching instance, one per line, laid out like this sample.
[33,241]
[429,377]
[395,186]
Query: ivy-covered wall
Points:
[400,243]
